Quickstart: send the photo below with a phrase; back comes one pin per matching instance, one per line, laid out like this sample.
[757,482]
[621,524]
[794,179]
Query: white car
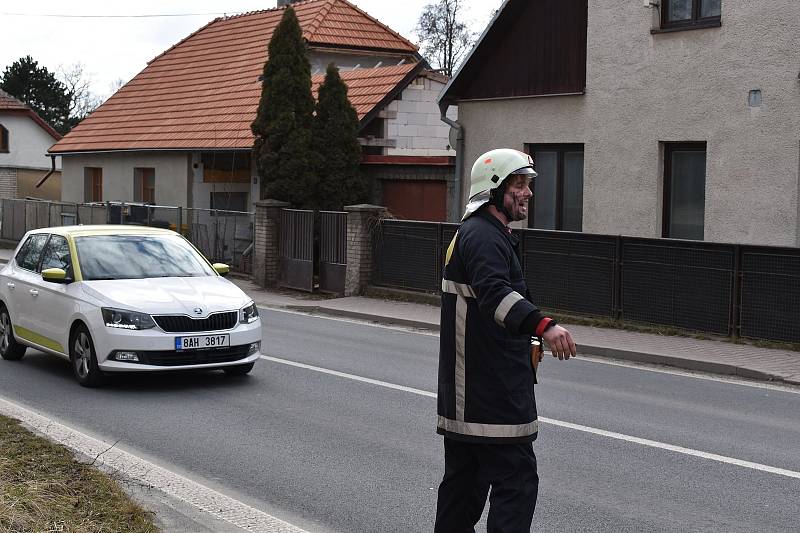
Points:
[124,299]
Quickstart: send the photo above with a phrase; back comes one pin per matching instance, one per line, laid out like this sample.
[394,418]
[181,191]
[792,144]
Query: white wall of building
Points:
[418,127]
[643,90]
[172,176]
[27,143]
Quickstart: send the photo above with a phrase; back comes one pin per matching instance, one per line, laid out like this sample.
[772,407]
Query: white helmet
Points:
[490,171]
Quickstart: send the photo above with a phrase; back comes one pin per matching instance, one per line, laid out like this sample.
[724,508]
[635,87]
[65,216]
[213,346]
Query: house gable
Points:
[531,48]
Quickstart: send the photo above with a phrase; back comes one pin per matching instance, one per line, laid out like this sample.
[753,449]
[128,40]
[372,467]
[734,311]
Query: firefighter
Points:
[486,405]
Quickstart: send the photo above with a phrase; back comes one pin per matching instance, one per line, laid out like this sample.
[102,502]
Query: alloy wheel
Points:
[83,353]
[5,328]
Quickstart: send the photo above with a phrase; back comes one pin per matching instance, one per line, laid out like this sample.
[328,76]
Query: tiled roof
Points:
[204,91]
[10,104]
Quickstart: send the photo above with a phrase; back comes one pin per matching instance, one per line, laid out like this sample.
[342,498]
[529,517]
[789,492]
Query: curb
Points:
[317,310]
[599,351]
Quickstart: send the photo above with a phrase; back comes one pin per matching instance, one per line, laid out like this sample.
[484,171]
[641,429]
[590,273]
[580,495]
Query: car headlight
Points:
[248,314]
[120,318]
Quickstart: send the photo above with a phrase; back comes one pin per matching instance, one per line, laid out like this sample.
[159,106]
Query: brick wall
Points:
[362,220]
[8,182]
[265,239]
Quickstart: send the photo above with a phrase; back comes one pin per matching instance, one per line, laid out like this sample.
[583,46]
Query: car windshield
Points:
[138,256]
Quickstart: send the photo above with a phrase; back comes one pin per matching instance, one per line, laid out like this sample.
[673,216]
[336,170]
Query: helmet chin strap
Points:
[496,199]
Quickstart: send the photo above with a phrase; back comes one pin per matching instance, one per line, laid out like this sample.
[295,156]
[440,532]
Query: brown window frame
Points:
[95,188]
[143,193]
[3,139]
[696,22]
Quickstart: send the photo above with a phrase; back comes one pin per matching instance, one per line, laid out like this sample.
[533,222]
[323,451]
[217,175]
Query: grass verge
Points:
[44,488]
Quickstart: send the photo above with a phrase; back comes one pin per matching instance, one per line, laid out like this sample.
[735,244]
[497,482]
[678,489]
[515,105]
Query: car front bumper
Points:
[156,345]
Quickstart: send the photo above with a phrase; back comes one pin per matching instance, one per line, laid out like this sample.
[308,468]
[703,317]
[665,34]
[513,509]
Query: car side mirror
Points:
[221,268]
[55,275]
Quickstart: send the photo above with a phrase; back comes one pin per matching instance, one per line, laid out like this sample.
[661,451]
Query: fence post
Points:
[735,326]
[616,297]
[265,242]
[360,220]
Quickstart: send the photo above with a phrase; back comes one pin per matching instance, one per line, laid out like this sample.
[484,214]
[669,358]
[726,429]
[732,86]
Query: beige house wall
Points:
[27,180]
[644,89]
[172,175]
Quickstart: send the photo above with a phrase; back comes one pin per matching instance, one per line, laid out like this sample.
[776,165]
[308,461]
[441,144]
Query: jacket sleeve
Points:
[487,263]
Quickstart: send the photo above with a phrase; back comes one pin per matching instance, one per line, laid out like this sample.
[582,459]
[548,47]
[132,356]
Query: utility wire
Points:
[111,16]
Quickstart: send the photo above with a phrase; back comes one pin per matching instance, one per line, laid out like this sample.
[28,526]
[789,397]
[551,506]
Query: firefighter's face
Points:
[518,192]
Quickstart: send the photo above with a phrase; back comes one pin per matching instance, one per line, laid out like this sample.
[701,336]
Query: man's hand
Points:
[560,342]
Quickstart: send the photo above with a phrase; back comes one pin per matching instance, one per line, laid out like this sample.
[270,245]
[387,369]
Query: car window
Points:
[30,253]
[56,254]
[138,256]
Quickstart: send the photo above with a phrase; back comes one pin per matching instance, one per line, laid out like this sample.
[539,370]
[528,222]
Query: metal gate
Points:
[332,251]
[296,250]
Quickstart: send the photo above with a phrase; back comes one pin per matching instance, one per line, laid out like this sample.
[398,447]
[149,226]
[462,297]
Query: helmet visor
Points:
[526,171]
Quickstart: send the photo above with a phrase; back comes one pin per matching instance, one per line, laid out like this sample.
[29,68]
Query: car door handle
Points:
[10,285]
[34,292]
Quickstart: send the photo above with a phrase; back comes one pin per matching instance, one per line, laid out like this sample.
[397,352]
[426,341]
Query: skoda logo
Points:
[198,311]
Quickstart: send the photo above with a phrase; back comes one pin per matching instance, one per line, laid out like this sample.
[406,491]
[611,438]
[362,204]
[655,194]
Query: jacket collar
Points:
[505,230]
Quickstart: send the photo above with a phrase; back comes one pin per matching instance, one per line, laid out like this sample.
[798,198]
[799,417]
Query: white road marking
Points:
[569,425]
[149,474]
[646,367]
[351,376]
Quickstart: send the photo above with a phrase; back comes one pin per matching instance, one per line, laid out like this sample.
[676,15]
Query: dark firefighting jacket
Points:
[486,379]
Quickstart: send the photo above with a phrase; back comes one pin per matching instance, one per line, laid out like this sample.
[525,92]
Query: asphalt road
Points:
[333,453]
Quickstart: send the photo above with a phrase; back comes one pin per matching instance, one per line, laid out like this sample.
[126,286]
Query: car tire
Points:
[10,349]
[239,370]
[84,360]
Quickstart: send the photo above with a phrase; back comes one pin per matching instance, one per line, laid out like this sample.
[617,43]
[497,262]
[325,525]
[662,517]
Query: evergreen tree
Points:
[26,81]
[336,136]
[283,148]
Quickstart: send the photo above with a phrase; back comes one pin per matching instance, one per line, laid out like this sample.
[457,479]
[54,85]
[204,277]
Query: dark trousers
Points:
[470,470]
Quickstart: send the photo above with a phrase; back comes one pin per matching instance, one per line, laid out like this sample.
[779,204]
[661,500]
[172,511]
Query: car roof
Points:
[106,229]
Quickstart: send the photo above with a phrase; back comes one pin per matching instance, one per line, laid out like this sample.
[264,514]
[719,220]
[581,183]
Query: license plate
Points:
[199,342]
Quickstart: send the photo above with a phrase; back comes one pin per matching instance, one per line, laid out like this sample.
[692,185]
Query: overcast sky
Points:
[119,48]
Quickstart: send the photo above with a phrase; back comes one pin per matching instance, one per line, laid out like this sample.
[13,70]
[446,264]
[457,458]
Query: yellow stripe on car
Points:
[41,340]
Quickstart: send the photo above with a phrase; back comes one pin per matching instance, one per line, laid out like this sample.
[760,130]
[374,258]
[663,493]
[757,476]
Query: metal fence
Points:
[332,251]
[296,249]
[222,236]
[725,289]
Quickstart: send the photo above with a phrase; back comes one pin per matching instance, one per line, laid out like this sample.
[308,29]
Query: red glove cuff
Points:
[543,324]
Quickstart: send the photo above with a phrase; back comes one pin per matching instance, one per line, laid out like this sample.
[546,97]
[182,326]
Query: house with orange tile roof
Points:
[24,140]
[179,132]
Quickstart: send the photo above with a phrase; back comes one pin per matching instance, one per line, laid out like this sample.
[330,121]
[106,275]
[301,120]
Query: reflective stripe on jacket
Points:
[485,390]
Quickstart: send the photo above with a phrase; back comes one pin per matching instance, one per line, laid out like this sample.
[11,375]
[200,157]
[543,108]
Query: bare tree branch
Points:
[444,37]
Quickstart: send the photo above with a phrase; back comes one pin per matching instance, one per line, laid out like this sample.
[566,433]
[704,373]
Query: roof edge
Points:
[36,118]
[391,95]
[443,96]
[129,150]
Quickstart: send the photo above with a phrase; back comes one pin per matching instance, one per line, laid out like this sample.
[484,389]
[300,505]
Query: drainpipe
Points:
[455,204]
[52,169]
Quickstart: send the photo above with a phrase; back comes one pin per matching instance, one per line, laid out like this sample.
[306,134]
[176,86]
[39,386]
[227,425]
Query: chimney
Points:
[282,3]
